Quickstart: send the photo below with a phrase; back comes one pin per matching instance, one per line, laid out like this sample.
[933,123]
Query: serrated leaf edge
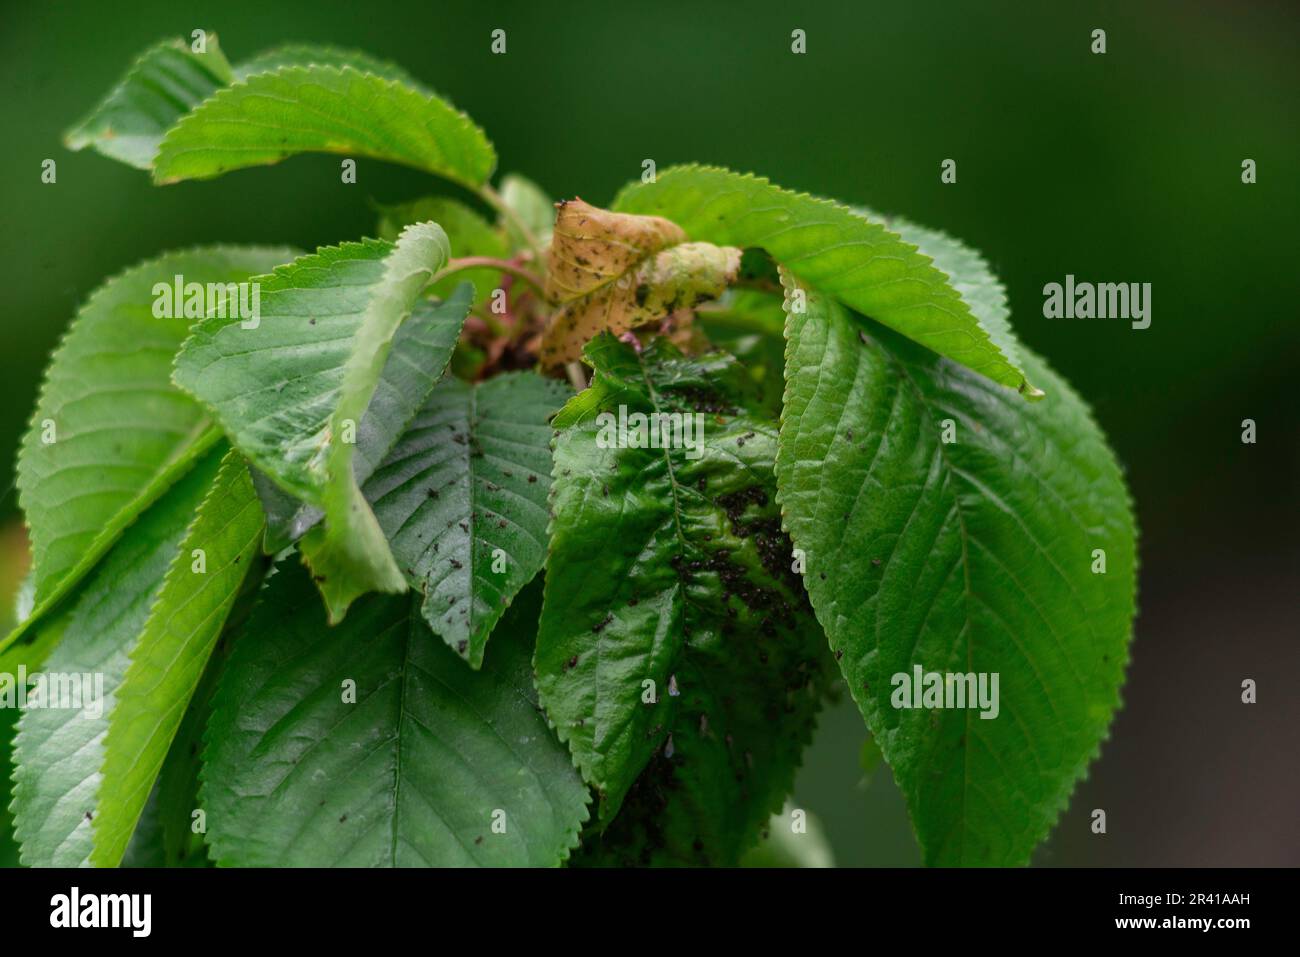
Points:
[101,544]
[979,332]
[232,460]
[1112,464]
[463,121]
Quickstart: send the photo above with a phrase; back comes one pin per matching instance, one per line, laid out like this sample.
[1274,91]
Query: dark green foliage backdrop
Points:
[1122,167]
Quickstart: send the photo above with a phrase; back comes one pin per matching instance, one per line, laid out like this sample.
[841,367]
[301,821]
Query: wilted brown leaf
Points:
[615,271]
[592,247]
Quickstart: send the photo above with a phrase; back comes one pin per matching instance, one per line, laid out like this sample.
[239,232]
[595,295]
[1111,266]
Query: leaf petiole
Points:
[487,262]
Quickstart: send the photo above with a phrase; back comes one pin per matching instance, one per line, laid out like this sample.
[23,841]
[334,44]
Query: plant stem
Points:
[492,322]
[576,376]
[487,262]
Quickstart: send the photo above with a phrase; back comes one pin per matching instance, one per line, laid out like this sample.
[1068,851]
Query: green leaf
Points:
[750,324]
[529,208]
[290,390]
[784,846]
[27,657]
[177,791]
[9,851]
[122,433]
[164,83]
[166,835]
[318,55]
[668,565]
[176,795]
[468,232]
[410,774]
[146,848]
[970,275]
[837,251]
[324,109]
[869,759]
[968,557]
[169,80]
[462,499]
[59,751]
[422,348]
[169,657]
[31,653]
[287,519]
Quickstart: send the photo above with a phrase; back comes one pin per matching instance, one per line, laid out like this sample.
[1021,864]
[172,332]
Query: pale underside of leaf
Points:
[422,347]
[59,751]
[122,433]
[291,390]
[28,657]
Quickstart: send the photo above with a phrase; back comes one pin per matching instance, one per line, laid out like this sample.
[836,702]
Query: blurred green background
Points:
[1119,167]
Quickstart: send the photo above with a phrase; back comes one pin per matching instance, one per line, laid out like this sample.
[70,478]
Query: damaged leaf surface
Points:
[613,272]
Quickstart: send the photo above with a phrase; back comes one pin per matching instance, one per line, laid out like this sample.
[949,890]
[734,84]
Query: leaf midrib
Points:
[924,405]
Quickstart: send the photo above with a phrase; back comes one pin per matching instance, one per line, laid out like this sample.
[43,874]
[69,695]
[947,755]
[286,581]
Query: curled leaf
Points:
[591,248]
[616,272]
